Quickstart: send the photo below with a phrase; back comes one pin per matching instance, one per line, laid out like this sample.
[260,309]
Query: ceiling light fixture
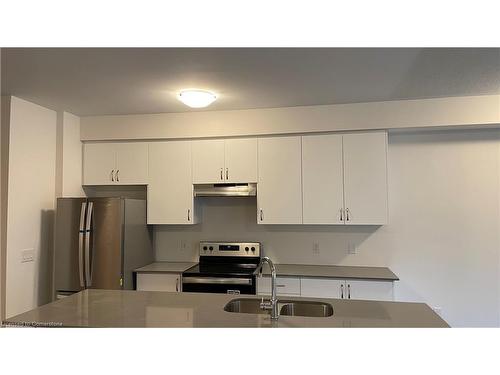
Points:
[196,98]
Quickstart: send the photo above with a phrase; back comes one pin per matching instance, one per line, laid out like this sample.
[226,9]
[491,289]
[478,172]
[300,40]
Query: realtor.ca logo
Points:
[32,324]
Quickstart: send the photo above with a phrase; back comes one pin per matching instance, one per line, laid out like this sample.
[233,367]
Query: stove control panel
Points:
[232,249]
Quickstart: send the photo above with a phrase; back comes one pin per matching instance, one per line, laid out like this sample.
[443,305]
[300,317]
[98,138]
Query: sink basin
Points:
[287,308]
[307,308]
[245,306]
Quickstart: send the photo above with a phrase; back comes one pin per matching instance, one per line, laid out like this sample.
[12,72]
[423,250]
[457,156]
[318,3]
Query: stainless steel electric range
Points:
[224,267]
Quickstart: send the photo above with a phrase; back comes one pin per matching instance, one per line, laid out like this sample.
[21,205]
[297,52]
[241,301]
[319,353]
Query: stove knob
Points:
[253,249]
[204,248]
[246,248]
[211,248]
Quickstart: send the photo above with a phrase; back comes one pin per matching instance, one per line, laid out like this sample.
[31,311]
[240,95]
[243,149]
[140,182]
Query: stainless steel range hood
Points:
[225,190]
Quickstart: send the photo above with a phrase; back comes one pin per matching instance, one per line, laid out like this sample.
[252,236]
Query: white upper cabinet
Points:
[322,179]
[115,163]
[279,190]
[345,179]
[240,160]
[208,162]
[365,178]
[99,161]
[131,163]
[225,161]
[170,189]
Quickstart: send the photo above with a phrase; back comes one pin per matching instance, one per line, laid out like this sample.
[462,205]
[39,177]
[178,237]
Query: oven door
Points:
[226,285]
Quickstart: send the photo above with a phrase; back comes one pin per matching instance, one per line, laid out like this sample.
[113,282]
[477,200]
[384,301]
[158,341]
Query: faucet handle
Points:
[265,305]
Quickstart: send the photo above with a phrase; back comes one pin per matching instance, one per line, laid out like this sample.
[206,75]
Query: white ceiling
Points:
[127,81]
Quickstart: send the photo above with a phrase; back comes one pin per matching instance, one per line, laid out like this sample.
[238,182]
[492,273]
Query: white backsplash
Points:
[235,219]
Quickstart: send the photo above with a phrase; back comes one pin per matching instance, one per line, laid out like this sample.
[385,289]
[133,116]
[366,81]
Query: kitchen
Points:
[154,204]
[186,194]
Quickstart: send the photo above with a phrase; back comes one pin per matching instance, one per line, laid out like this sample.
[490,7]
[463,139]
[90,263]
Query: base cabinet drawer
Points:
[285,286]
[159,282]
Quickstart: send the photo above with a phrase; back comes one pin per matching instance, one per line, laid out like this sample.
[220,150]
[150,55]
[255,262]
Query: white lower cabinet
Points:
[285,286]
[321,288]
[347,289]
[159,282]
[370,290]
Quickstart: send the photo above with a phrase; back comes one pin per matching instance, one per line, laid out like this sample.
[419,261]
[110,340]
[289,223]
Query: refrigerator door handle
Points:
[88,271]
[81,239]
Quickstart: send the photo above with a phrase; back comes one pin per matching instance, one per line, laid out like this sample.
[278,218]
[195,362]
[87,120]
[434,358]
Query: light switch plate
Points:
[27,255]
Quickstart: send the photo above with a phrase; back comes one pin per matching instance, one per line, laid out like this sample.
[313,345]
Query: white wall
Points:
[442,239]
[31,193]
[440,112]
[69,156]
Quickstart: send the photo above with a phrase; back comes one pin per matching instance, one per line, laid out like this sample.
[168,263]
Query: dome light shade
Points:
[196,98]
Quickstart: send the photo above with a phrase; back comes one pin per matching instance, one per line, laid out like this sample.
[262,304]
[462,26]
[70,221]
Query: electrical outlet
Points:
[315,248]
[183,245]
[351,248]
[437,310]
[27,255]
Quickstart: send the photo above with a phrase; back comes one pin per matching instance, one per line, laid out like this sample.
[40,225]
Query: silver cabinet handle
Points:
[227,173]
[189,214]
[341,290]
[117,177]
[261,215]
[221,174]
[341,218]
[112,177]
[177,284]
[347,214]
[280,285]
[349,291]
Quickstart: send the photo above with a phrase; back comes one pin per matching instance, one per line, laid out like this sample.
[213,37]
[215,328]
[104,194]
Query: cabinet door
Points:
[322,288]
[170,189]
[285,286]
[132,163]
[161,282]
[208,162]
[322,184]
[99,163]
[240,160]
[279,190]
[370,290]
[365,178]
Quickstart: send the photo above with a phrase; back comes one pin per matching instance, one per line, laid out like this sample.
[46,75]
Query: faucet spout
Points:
[272,304]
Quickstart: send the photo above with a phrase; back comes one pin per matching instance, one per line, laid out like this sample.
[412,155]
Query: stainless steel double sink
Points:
[286,308]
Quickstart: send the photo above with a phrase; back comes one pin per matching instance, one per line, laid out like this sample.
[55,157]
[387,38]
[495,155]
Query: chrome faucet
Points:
[272,304]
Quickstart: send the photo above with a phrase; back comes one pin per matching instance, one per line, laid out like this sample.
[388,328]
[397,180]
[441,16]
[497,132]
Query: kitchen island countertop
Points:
[114,308]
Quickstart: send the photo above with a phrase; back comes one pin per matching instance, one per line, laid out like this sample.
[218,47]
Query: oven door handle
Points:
[217,280]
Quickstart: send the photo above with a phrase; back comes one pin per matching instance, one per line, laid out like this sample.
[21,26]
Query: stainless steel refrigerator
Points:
[99,242]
